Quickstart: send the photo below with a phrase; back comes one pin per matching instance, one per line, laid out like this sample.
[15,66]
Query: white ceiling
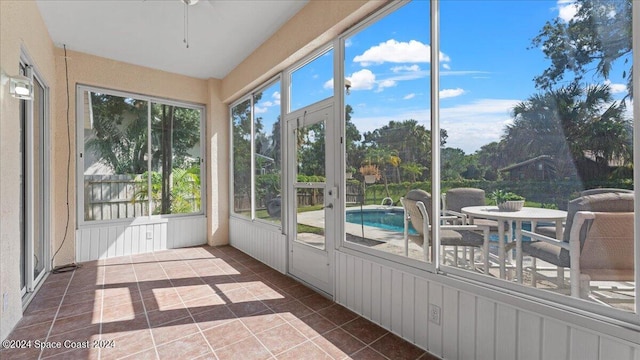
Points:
[150,33]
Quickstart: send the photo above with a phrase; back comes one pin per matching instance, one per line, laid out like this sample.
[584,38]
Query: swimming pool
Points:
[392,219]
[387,219]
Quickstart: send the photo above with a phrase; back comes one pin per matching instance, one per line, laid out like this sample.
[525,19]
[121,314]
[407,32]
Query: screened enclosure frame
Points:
[81,152]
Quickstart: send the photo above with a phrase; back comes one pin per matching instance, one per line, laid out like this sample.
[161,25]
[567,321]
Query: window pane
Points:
[175,160]
[241,122]
[388,135]
[312,82]
[268,151]
[524,116]
[115,160]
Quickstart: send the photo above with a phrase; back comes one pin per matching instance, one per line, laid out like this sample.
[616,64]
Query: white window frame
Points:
[33,73]
[424,269]
[252,183]
[80,150]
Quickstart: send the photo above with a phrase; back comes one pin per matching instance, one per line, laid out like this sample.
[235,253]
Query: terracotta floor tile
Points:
[149,354]
[170,331]
[306,351]
[394,347]
[120,328]
[262,321]
[312,325]
[131,343]
[79,308]
[292,310]
[368,354]
[79,335]
[215,298]
[204,304]
[226,334]
[31,332]
[249,348]
[217,316]
[364,330]
[338,314]
[316,301]
[159,317]
[247,308]
[63,325]
[188,347]
[29,353]
[73,354]
[39,304]
[123,311]
[281,338]
[298,291]
[343,341]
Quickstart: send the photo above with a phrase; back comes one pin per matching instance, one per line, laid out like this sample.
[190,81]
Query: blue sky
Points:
[485,67]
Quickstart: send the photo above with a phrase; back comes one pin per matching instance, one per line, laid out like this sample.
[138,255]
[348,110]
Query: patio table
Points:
[525,214]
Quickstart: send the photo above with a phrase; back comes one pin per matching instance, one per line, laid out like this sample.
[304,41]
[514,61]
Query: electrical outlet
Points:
[149,234]
[5,302]
[434,314]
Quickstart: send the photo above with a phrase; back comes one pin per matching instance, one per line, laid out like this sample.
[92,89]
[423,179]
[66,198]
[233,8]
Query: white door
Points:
[312,194]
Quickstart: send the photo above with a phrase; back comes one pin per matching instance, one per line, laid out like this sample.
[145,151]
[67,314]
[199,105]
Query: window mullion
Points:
[253,161]
[149,157]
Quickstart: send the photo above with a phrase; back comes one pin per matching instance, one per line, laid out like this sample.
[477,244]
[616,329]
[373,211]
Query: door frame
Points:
[331,215]
[33,189]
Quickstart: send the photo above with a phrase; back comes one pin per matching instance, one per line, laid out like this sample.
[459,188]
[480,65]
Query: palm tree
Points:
[567,122]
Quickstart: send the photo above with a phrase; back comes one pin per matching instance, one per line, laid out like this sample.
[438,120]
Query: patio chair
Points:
[550,231]
[417,207]
[458,198]
[598,246]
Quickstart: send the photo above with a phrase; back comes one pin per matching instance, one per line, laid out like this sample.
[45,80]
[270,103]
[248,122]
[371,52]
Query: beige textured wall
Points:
[218,162]
[97,71]
[20,26]
[317,23]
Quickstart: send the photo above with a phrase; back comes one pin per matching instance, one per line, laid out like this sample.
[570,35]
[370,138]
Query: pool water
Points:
[387,219]
[392,220]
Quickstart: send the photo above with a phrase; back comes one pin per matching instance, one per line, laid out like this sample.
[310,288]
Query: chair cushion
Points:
[458,198]
[421,195]
[454,238]
[604,202]
[547,252]
[549,231]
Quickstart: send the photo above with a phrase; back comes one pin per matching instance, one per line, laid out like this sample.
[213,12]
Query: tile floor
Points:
[193,303]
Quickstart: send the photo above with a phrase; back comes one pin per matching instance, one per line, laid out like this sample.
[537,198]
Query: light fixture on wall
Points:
[21,87]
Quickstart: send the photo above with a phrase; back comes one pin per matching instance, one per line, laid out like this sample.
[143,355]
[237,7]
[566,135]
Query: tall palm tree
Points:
[567,122]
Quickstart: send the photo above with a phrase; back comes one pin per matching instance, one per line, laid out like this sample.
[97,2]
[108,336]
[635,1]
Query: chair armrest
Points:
[549,240]
[454,215]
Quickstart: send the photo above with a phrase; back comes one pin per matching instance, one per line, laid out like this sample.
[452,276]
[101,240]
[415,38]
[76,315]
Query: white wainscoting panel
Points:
[260,241]
[110,240]
[472,326]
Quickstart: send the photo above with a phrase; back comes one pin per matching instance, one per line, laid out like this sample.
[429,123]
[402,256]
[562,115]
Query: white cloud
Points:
[362,80]
[616,88]
[348,43]
[276,96]
[267,104]
[449,93]
[469,126]
[446,66]
[260,110]
[409,96]
[328,84]
[567,9]
[394,51]
[412,68]
[385,84]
